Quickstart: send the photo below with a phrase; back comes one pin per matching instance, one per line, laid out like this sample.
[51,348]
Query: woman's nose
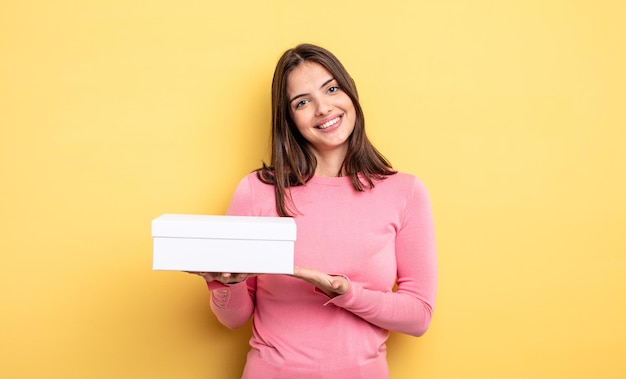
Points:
[323,108]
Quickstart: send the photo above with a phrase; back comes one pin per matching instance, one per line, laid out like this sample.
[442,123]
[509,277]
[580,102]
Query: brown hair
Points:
[292,163]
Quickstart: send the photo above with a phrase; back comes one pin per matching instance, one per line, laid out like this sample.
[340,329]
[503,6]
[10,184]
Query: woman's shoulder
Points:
[252,197]
[403,179]
[252,183]
[253,180]
[404,185]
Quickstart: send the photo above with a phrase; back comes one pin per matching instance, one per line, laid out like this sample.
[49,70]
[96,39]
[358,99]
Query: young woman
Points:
[363,228]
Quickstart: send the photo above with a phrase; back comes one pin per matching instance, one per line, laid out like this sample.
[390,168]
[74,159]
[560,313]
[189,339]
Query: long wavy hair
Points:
[292,161]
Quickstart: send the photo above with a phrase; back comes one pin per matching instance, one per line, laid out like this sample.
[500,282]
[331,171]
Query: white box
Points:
[235,244]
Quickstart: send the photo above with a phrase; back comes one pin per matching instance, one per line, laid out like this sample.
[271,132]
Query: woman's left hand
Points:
[331,285]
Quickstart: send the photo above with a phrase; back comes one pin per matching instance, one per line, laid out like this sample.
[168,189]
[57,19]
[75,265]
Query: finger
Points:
[340,285]
[238,278]
[241,277]
[224,277]
[304,273]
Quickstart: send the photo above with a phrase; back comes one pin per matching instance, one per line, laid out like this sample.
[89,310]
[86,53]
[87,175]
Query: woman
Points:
[362,228]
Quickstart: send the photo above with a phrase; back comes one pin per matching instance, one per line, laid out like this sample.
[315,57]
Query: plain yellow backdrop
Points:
[114,112]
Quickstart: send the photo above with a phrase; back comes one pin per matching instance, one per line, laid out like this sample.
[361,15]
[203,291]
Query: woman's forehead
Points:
[309,75]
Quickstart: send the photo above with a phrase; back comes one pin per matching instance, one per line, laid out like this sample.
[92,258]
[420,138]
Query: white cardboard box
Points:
[236,244]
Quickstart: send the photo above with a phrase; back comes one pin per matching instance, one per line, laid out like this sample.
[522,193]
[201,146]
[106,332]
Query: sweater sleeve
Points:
[409,309]
[233,304]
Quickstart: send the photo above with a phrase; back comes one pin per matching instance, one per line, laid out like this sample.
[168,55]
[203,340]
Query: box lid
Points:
[226,227]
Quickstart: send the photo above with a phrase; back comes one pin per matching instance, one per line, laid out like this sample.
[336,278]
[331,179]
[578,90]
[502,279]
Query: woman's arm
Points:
[408,310]
[233,304]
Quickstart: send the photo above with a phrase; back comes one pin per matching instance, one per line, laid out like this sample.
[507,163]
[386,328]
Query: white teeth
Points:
[329,123]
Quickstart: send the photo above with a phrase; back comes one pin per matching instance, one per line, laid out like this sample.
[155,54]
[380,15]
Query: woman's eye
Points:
[333,89]
[301,103]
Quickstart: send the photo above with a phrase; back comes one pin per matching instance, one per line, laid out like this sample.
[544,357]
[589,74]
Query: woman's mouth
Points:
[329,123]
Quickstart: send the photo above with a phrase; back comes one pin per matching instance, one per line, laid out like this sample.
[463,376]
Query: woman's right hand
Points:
[223,277]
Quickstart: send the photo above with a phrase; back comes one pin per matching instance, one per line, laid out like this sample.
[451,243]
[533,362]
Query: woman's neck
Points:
[329,164]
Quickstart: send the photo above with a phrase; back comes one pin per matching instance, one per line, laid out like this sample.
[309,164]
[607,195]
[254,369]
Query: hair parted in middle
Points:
[292,162]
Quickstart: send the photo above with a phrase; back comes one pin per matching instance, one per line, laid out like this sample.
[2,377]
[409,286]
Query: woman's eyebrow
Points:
[304,94]
[326,82]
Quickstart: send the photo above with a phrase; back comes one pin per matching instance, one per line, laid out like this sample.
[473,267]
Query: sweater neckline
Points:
[330,180]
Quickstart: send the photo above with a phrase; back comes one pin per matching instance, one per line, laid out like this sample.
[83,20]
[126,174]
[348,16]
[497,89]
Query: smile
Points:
[329,123]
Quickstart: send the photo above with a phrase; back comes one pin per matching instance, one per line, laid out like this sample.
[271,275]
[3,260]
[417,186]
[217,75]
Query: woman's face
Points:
[323,112]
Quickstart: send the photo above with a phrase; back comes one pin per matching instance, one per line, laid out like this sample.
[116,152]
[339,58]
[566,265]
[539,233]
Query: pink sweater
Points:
[372,238]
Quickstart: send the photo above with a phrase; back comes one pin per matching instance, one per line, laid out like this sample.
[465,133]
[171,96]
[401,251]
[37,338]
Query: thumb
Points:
[339,284]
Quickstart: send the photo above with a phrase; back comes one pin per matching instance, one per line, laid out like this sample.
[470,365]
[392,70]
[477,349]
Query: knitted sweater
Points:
[376,239]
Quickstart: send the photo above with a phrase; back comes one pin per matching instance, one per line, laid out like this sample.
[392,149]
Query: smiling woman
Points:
[294,161]
[323,114]
[363,229]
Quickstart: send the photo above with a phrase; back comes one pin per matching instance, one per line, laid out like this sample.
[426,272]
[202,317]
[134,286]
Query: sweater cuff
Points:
[216,285]
[344,300]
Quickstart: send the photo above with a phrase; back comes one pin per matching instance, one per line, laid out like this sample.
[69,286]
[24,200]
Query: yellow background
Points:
[114,112]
